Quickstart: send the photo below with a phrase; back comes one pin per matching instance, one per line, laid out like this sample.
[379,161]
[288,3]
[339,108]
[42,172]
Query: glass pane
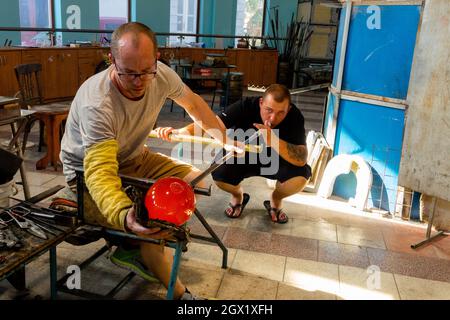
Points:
[192,7]
[183,19]
[112,13]
[249,18]
[35,14]
[190,25]
[179,24]
[180,5]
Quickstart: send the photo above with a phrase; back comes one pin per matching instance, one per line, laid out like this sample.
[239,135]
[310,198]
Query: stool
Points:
[53,119]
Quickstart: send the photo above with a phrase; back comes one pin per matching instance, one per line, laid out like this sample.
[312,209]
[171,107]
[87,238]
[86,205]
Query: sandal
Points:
[229,211]
[279,214]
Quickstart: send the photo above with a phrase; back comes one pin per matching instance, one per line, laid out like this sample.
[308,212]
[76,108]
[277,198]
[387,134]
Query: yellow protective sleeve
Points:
[101,173]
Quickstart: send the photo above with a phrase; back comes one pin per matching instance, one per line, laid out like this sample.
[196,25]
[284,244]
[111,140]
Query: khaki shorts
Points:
[154,166]
[150,165]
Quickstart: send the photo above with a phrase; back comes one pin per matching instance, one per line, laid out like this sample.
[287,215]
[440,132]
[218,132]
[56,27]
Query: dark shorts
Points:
[234,172]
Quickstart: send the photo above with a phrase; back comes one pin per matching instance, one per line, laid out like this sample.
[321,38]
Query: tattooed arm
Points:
[296,154]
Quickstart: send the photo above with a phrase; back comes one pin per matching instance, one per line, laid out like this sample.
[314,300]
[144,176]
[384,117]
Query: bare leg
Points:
[159,261]
[286,189]
[236,192]
[192,175]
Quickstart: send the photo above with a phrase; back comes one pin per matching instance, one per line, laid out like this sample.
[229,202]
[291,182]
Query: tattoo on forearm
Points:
[297,152]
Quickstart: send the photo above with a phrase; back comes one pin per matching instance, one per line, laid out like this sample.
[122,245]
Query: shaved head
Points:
[133,30]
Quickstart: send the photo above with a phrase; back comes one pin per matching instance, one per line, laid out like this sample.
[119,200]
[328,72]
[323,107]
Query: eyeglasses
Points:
[145,76]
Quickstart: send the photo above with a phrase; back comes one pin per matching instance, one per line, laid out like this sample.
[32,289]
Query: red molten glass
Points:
[170,200]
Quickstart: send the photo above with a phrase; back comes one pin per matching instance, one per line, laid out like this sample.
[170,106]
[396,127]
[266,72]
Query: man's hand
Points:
[137,228]
[165,132]
[266,131]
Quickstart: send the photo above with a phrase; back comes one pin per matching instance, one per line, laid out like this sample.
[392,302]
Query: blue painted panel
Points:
[380,52]
[337,59]
[374,133]
[329,116]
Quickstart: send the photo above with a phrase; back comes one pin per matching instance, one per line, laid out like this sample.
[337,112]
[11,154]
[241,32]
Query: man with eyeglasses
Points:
[109,121]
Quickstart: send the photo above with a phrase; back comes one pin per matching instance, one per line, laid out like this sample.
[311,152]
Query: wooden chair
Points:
[50,116]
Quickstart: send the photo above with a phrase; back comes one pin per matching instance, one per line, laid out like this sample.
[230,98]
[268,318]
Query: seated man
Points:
[109,121]
[282,125]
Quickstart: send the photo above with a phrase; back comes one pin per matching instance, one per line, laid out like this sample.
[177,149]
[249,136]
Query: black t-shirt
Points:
[244,113]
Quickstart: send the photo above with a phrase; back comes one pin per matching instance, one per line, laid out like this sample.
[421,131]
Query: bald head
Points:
[131,34]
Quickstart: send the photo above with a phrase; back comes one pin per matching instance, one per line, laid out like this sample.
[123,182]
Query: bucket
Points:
[235,89]
[6,190]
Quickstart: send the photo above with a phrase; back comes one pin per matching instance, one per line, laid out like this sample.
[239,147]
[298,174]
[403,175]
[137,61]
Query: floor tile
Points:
[360,236]
[410,265]
[206,256]
[312,275]
[202,282]
[264,224]
[239,238]
[343,254]
[38,178]
[238,287]
[411,288]
[366,284]
[314,230]
[291,292]
[400,240]
[295,247]
[259,264]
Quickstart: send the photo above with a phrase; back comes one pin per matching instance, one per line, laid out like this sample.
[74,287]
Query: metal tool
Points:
[27,225]
[210,141]
[47,213]
[217,162]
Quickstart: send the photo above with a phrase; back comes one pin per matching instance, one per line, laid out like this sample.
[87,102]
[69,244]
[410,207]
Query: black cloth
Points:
[242,115]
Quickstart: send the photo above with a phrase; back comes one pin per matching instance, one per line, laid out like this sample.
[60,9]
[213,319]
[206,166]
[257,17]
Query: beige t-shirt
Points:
[100,112]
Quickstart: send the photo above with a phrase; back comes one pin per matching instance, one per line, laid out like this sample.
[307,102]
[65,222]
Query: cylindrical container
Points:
[233,87]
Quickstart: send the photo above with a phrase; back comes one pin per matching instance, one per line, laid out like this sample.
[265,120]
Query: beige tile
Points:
[206,256]
[201,282]
[259,264]
[312,275]
[367,237]
[39,179]
[57,180]
[238,287]
[366,284]
[411,288]
[291,292]
[313,229]
[34,190]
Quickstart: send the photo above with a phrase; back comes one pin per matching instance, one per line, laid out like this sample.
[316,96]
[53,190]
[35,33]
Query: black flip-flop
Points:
[278,212]
[245,199]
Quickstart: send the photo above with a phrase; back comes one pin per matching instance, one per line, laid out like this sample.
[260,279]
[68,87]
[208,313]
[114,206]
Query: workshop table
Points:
[13,261]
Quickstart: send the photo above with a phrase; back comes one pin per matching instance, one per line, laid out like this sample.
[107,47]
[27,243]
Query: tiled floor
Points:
[327,250]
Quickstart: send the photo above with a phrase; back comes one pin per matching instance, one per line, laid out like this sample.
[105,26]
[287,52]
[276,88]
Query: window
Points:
[112,13]
[34,14]
[183,19]
[249,18]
